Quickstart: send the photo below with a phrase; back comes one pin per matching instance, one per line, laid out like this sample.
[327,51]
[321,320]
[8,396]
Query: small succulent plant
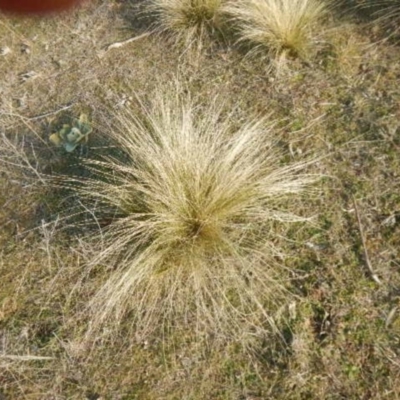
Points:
[71,135]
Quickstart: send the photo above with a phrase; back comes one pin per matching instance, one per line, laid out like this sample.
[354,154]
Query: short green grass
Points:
[339,335]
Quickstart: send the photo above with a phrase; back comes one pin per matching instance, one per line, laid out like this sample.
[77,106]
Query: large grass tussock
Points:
[194,204]
[293,26]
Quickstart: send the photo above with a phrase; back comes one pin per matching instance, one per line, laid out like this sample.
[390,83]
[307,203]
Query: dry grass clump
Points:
[187,20]
[292,26]
[193,204]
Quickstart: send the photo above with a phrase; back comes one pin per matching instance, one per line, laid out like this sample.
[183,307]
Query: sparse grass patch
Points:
[279,26]
[386,8]
[387,15]
[193,210]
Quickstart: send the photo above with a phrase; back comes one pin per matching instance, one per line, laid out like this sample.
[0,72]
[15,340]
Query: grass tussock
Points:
[292,26]
[194,205]
[188,21]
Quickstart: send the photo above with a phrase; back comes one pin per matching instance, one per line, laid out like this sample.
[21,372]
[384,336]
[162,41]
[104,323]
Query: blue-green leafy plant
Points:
[71,135]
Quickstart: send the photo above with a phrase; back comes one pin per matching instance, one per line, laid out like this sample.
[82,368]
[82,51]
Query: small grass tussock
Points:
[291,26]
[188,21]
[194,205]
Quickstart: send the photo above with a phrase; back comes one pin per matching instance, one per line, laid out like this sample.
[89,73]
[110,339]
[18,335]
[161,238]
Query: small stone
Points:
[4,50]
[25,49]
[28,75]
[390,221]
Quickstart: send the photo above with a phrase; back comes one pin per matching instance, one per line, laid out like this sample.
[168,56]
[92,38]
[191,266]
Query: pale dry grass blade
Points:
[25,357]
